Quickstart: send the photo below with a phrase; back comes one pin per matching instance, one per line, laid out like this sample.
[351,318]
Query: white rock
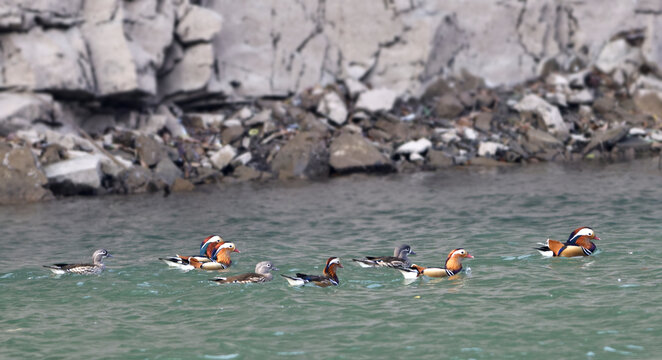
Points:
[584,96]
[84,170]
[52,59]
[549,113]
[618,54]
[489,148]
[381,99]
[635,131]
[416,157]
[19,110]
[354,87]
[115,71]
[469,134]
[245,113]
[243,159]
[656,135]
[448,135]
[192,73]
[223,157]
[414,147]
[232,122]
[198,24]
[333,107]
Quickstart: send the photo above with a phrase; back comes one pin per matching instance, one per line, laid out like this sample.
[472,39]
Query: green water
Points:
[514,305]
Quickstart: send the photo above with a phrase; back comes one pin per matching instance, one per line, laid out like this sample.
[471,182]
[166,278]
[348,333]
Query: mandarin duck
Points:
[578,244]
[218,257]
[453,266]
[96,267]
[328,278]
[262,274]
[399,258]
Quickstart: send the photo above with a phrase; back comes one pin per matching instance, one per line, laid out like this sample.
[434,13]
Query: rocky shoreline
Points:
[57,141]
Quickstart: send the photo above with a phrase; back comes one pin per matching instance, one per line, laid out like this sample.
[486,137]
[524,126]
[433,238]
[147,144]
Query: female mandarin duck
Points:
[262,274]
[452,267]
[578,244]
[96,267]
[214,255]
[329,278]
[399,258]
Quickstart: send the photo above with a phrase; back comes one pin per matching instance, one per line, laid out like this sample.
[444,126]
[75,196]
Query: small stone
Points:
[490,148]
[181,185]
[242,159]
[381,99]
[223,157]
[549,113]
[483,122]
[438,159]
[149,150]
[605,140]
[333,107]
[231,134]
[414,147]
[167,171]
[352,153]
[449,106]
[354,87]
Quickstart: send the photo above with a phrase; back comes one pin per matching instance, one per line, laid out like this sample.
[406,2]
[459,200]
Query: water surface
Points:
[514,305]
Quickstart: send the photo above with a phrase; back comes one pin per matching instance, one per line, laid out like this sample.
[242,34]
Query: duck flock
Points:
[215,255]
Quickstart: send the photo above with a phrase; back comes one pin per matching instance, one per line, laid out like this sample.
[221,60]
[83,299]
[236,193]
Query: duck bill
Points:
[596,238]
[237,251]
[412,253]
[469,256]
[340,265]
[274,269]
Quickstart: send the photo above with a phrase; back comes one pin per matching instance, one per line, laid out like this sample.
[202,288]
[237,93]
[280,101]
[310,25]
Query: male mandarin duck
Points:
[399,258]
[453,266]
[215,256]
[96,267]
[578,244]
[262,274]
[329,278]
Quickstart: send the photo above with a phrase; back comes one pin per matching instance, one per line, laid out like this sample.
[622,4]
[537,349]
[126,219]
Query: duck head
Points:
[583,232]
[99,255]
[331,264]
[222,252]
[205,249]
[265,267]
[402,251]
[453,261]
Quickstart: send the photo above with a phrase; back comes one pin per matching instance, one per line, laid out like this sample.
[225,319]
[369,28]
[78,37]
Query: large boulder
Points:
[19,110]
[333,107]
[376,100]
[150,151]
[550,114]
[198,25]
[115,71]
[80,175]
[150,27]
[52,60]
[192,73]
[305,156]
[353,153]
[605,140]
[21,178]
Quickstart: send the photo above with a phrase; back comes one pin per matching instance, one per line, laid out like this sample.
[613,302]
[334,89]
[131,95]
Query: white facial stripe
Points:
[213,239]
[226,245]
[334,261]
[584,231]
[458,252]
